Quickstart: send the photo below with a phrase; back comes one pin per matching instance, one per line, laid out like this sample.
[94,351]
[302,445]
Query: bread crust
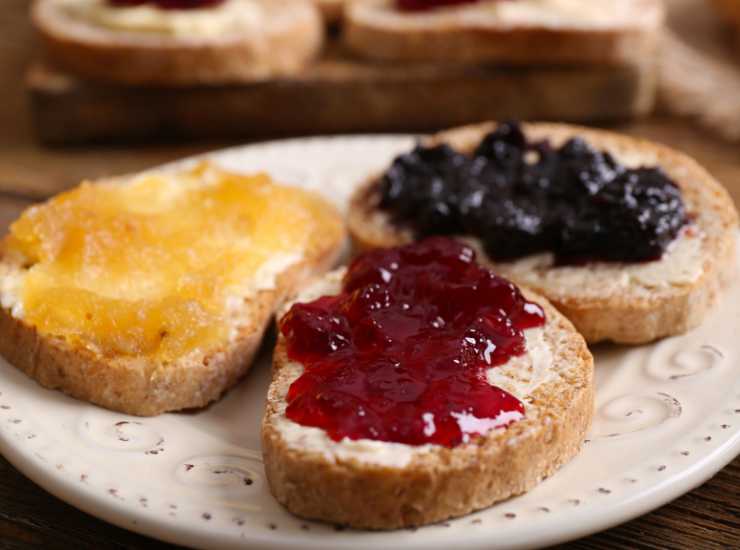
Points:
[442,483]
[146,386]
[469,41]
[130,58]
[629,317]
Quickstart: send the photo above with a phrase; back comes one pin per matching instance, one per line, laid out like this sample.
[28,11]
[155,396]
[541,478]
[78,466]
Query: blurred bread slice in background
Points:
[233,41]
[522,32]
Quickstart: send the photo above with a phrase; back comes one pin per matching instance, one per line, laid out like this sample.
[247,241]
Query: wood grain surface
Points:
[706,518]
[336,95]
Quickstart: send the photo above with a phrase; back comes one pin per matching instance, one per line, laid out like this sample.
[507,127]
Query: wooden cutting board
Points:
[338,94]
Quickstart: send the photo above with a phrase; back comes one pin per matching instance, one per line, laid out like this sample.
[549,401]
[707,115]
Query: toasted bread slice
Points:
[268,39]
[627,303]
[104,367]
[378,485]
[522,32]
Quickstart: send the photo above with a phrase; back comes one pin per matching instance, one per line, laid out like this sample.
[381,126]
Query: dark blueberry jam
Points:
[423,5]
[401,353]
[168,4]
[520,198]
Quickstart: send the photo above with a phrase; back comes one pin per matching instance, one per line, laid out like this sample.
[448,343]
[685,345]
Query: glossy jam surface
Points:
[148,268]
[401,353]
[423,5]
[520,197]
[167,4]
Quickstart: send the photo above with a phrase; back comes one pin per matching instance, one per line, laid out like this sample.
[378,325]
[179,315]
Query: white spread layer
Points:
[10,291]
[527,13]
[264,279]
[230,16]
[555,12]
[520,377]
[680,265]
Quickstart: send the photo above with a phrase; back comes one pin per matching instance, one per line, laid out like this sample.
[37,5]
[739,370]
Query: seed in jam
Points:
[521,197]
[423,5]
[401,353]
[167,4]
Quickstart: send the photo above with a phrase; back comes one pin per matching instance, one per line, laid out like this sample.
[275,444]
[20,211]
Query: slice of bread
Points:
[379,485]
[147,384]
[280,39]
[522,32]
[627,303]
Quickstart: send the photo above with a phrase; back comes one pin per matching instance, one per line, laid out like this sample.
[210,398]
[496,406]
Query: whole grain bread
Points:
[437,483]
[645,306]
[146,385]
[289,37]
[561,31]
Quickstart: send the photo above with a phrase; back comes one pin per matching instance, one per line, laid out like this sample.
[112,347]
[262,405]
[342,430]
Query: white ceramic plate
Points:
[668,418]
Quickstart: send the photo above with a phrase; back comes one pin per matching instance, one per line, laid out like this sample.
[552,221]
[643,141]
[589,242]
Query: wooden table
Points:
[708,517]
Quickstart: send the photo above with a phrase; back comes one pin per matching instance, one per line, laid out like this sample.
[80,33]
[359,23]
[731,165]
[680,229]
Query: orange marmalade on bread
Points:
[161,265]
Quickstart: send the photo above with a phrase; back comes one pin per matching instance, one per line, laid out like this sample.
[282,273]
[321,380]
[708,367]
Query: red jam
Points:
[168,4]
[423,5]
[401,353]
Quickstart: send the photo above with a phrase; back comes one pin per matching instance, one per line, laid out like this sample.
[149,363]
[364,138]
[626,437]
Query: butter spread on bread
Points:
[227,17]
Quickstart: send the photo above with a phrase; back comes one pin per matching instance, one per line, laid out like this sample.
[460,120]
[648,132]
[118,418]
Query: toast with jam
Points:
[630,240]
[151,293]
[179,42]
[416,386]
[512,32]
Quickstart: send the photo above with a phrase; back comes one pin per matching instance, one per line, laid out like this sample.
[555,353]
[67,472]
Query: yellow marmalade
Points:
[157,266]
